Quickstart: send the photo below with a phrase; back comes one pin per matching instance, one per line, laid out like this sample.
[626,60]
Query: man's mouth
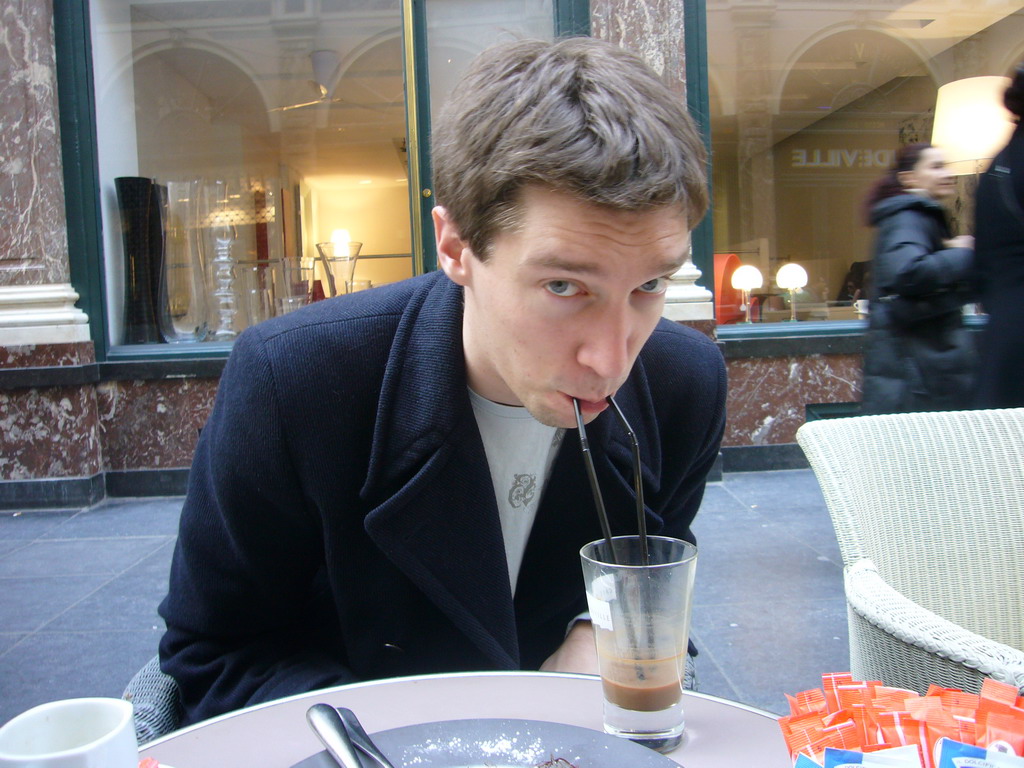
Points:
[591,407]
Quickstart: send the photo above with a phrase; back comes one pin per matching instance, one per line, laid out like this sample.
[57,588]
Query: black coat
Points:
[917,353]
[999,233]
[341,523]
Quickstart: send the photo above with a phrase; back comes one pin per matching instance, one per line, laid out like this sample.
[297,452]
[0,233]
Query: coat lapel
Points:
[434,512]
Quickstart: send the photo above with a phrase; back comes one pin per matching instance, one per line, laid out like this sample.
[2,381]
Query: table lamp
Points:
[971,124]
[746,278]
[791,277]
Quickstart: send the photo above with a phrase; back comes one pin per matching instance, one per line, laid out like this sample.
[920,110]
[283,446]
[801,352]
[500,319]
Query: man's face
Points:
[563,305]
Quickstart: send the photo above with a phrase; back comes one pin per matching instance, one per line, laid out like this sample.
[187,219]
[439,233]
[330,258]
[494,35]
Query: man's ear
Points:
[453,253]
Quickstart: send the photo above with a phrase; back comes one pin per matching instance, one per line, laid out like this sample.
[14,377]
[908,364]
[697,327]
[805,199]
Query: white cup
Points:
[74,733]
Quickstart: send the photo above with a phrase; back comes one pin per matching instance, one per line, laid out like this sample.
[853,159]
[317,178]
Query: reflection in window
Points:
[261,146]
[807,106]
[261,129]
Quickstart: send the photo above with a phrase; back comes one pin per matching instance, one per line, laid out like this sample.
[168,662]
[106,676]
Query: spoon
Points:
[360,738]
[329,727]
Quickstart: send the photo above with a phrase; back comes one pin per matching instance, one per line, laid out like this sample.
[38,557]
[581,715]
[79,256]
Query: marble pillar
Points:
[655,31]
[46,432]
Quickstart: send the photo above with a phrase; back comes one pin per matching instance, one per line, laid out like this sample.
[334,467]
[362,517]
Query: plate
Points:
[501,744]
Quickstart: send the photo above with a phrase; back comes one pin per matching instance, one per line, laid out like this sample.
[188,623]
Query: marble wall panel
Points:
[653,29]
[152,424]
[767,395]
[49,432]
[47,355]
[33,238]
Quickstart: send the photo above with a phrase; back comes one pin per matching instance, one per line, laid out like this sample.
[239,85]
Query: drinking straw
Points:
[588,461]
[638,483]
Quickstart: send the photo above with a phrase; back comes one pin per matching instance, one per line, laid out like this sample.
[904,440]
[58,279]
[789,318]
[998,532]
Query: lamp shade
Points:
[971,123]
[747,278]
[791,277]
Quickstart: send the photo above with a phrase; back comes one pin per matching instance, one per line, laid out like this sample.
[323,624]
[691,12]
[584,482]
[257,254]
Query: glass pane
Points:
[808,104]
[457,30]
[247,132]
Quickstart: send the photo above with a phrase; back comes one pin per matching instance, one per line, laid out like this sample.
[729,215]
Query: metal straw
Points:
[638,483]
[588,461]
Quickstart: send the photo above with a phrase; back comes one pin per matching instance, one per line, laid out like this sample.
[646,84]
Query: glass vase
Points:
[183,314]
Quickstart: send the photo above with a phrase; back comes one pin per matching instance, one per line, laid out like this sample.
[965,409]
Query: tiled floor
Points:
[79,590]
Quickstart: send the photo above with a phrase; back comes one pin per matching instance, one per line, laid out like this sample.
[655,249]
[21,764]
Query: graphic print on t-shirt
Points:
[523,489]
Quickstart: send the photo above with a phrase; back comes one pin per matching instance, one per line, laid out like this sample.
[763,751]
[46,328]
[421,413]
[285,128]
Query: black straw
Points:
[638,483]
[588,461]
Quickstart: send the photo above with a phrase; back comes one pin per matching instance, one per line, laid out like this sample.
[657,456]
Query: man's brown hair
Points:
[576,115]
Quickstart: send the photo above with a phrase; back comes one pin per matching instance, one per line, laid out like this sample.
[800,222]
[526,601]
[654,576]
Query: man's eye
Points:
[562,288]
[658,285]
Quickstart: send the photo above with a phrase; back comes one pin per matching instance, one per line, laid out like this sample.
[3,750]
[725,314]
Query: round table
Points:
[719,733]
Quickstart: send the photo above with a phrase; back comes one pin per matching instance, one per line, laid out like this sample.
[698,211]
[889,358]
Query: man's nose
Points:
[605,345]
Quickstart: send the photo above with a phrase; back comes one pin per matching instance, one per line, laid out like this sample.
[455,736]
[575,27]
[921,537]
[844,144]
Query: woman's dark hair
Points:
[889,185]
[1014,96]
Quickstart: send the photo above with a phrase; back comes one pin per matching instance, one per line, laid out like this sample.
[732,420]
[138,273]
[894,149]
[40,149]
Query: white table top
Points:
[719,733]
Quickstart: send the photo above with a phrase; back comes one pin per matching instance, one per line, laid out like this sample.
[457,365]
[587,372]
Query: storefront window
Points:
[808,104]
[254,155]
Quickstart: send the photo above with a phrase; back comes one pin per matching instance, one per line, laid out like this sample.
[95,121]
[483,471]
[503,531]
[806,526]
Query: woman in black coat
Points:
[917,354]
[999,229]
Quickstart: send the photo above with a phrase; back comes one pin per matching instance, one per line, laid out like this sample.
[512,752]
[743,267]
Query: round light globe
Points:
[791,277]
[747,278]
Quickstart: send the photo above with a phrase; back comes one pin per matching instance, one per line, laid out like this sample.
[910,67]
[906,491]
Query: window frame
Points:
[697,98]
[81,182]
[77,107]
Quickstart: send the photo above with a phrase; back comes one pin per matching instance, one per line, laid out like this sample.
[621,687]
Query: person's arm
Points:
[911,265]
[243,579]
[577,653]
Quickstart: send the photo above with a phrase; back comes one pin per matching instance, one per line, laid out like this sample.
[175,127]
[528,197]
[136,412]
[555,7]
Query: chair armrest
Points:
[878,603]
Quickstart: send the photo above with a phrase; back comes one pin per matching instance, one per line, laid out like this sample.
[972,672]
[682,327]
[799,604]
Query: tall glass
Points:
[641,618]
[183,310]
[339,264]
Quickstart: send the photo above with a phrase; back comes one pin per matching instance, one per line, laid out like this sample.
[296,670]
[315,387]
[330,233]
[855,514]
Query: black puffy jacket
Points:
[918,355]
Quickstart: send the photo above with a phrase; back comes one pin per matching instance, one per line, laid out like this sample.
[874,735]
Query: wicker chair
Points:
[928,509]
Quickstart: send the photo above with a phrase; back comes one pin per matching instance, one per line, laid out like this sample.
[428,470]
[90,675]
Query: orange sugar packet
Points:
[854,695]
[834,739]
[1002,728]
[958,702]
[921,706]
[812,700]
[995,690]
[939,724]
[892,699]
[800,731]
[844,734]
[830,682]
[897,728]
[863,717]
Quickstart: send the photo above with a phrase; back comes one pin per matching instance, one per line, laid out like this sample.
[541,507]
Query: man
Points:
[382,488]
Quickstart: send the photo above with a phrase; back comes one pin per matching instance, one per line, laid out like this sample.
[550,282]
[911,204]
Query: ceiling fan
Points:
[325,77]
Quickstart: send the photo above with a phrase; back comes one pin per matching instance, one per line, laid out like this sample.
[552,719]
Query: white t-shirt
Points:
[520,451]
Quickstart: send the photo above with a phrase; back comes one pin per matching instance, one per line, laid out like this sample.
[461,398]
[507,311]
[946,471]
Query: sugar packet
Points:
[955,754]
[897,757]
